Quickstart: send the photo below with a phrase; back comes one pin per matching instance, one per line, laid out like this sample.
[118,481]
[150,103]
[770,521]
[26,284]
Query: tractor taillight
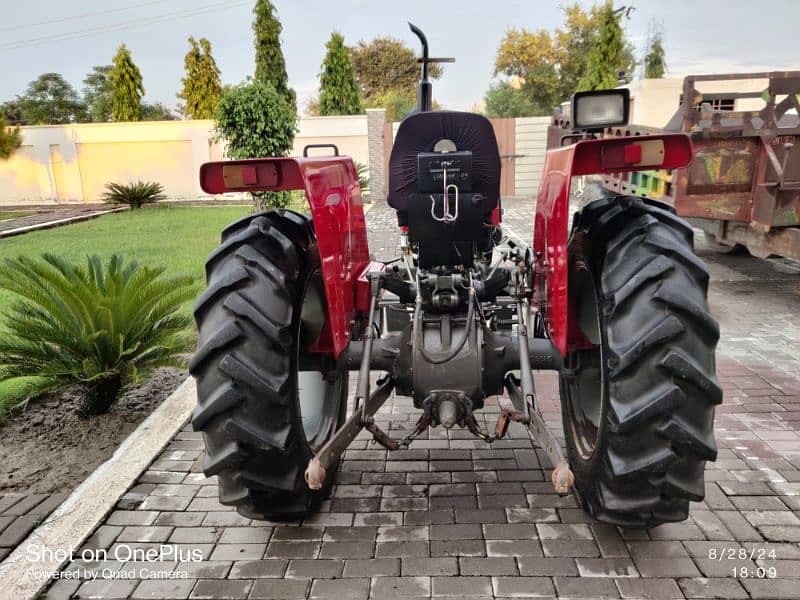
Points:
[616,155]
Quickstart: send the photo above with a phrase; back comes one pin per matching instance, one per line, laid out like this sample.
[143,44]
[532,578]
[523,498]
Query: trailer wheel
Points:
[638,400]
[265,404]
[719,247]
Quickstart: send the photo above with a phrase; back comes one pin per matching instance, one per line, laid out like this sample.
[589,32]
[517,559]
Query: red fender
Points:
[586,157]
[331,187]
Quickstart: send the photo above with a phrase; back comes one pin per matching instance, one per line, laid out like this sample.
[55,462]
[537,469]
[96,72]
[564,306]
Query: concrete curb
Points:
[78,516]
[57,223]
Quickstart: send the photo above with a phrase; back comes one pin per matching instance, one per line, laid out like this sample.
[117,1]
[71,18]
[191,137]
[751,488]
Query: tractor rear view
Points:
[295,309]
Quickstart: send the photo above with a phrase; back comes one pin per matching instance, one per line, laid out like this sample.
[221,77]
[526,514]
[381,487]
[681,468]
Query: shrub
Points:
[134,195]
[257,121]
[102,326]
[10,139]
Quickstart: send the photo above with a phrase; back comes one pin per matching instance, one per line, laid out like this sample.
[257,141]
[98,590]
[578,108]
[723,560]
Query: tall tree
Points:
[384,65]
[97,90]
[270,64]
[127,88]
[10,139]
[49,100]
[655,62]
[602,66]
[157,112]
[397,104]
[338,89]
[548,64]
[505,100]
[311,108]
[12,110]
[201,86]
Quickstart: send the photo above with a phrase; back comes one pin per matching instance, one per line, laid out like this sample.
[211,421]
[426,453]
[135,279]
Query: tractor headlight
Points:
[599,109]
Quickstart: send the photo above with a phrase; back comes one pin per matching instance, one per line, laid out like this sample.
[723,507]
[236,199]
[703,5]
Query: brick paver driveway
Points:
[451,517]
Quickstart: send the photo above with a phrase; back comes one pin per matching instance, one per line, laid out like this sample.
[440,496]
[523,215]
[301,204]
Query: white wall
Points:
[72,163]
[348,133]
[655,101]
[531,144]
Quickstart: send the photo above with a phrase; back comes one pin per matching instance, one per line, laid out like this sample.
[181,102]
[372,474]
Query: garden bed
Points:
[49,448]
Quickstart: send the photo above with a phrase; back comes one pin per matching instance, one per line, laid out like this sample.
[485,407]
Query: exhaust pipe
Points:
[424,89]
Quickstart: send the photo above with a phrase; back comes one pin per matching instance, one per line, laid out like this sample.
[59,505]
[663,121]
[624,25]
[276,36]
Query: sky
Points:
[709,36]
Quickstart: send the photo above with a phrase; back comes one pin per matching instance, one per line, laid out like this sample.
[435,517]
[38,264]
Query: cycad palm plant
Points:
[135,194]
[102,326]
[363,176]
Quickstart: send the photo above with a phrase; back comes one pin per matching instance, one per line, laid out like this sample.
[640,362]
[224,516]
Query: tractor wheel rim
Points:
[317,389]
[587,387]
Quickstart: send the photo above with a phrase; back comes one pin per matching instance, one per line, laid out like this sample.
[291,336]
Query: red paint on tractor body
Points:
[331,188]
[550,230]
[363,291]
[550,243]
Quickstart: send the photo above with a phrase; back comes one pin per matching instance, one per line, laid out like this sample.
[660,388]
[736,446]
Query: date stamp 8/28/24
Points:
[762,570]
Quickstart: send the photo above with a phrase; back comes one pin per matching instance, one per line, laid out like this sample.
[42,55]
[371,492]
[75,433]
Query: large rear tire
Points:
[638,402]
[262,417]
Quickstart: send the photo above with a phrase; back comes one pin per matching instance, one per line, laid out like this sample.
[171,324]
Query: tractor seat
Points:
[420,133]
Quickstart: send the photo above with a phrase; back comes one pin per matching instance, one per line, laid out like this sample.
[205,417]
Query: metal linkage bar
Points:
[562,476]
[333,450]
[362,388]
[528,394]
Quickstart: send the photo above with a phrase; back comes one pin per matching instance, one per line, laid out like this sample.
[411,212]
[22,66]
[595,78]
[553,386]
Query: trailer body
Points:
[743,188]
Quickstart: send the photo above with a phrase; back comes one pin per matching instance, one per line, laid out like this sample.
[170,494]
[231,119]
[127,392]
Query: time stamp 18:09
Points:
[758,558]
[751,571]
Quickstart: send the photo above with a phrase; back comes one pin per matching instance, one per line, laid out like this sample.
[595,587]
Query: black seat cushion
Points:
[420,132]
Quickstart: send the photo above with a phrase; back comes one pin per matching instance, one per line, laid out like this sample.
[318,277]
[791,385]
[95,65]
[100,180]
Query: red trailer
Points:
[743,187]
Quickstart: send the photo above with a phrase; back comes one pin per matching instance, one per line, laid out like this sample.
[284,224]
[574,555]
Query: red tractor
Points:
[616,304]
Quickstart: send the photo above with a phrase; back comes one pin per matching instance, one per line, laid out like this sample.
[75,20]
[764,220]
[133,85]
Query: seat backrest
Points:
[420,132]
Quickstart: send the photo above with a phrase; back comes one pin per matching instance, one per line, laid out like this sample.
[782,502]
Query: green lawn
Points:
[179,238]
[14,214]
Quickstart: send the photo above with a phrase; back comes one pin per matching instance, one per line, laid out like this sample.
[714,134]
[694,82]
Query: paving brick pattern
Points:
[65,212]
[20,514]
[451,517]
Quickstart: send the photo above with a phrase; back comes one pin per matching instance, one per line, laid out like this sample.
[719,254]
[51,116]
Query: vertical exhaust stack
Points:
[425,88]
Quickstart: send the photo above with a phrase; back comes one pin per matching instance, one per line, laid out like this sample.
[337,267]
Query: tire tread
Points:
[245,391]
[660,340]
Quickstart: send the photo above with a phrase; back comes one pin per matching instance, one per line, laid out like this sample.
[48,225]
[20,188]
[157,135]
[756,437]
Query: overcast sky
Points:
[700,36]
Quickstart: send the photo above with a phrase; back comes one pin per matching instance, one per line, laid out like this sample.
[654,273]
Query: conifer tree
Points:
[127,88]
[201,86]
[604,57]
[655,64]
[339,93]
[270,64]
